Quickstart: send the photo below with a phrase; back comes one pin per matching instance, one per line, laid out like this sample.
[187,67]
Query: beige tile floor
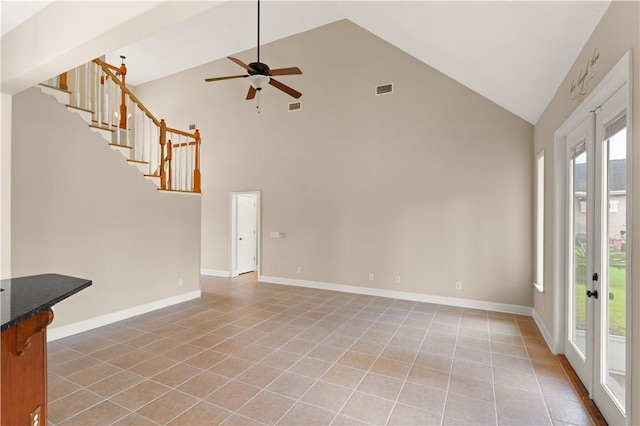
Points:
[255,353]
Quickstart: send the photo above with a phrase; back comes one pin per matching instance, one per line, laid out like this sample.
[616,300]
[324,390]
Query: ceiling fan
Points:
[260,74]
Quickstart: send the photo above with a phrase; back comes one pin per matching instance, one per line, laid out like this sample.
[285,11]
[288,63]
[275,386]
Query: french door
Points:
[598,220]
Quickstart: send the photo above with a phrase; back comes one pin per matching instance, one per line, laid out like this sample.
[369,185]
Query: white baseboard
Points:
[102,320]
[215,273]
[416,297]
[545,333]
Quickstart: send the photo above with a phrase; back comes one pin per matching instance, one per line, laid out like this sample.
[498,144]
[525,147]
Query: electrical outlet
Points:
[370,276]
[180,282]
[34,418]
[299,269]
[397,280]
[458,285]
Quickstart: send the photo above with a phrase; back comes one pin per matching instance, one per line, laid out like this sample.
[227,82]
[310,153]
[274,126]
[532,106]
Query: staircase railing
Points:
[172,155]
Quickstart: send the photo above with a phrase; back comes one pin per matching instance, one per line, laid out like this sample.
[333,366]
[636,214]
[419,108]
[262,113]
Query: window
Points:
[538,278]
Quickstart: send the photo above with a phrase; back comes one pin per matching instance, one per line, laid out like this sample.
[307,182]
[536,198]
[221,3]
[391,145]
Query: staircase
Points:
[170,158]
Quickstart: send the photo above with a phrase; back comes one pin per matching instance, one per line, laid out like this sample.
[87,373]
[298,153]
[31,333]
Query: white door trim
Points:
[233,231]
[620,74]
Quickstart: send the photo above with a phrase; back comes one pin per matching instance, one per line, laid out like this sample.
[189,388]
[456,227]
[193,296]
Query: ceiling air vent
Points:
[384,89]
[295,106]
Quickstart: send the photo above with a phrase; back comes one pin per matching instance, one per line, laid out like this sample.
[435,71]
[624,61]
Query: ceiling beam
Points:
[65,34]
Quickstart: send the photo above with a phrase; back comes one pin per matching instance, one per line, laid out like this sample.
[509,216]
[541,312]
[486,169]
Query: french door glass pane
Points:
[614,248]
[579,249]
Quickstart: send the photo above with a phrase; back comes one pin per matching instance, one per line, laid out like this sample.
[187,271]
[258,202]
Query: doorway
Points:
[244,232]
[593,151]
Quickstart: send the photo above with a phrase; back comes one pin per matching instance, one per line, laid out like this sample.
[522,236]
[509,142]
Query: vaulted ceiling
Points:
[514,53]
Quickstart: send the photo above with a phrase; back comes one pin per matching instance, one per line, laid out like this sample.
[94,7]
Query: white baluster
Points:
[154,145]
[98,96]
[86,87]
[126,121]
[76,86]
[191,166]
[185,169]
[116,114]
[143,137]
[136,137]
[110,103]
[179,164]
[174,160]
[180,161]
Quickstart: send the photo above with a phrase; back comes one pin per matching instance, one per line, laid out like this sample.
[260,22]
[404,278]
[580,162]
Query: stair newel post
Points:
[63,81]
[123,102]
[196,171]
[163,142]
[169,155]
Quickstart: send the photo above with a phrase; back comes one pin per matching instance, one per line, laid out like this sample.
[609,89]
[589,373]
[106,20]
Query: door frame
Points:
[620,74]
[233,231]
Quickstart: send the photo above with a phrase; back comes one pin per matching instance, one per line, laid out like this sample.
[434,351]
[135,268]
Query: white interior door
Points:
[247,226]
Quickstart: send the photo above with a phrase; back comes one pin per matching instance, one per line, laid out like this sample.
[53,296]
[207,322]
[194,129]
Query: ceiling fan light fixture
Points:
[259,81]
[260,74]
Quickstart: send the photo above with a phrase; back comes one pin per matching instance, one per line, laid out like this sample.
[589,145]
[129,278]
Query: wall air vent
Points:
[295,106]
[384,89]
[192,126]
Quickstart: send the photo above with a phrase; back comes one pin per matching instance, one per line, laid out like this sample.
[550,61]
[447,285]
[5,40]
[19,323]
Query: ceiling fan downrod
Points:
[258,31]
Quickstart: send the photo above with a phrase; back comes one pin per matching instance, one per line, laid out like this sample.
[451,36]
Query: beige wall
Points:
[431,183]
[79,209]
[5,187]
[617,32]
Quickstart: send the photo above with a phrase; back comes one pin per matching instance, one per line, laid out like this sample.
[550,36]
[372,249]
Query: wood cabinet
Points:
[25,311]
[24,372]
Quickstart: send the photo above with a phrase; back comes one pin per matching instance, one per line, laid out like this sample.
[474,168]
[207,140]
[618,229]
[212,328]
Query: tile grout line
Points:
[333,364]
[280,300]
[426,332]
[544,401]
[264,388]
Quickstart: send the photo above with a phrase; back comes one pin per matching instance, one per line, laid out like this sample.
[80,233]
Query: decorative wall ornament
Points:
[579,90]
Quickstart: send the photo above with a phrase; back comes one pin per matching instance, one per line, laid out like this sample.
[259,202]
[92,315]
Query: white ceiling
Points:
[13,12]
[515,53]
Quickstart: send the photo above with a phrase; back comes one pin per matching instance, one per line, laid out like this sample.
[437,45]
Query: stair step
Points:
[62,96]
[154,179]
[86,114]
[105,133]
[122,149]
[143,166]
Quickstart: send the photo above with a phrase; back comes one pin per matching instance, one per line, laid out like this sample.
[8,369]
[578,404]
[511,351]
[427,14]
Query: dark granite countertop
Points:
[25,297]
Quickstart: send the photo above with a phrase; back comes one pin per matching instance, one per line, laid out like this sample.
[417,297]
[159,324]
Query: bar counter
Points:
[25,310]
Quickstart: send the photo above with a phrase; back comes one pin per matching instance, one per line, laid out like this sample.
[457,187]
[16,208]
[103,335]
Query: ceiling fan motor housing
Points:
[258,68]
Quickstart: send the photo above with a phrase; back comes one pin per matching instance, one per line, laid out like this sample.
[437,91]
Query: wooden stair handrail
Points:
[181,132]
[164,170]
[107,70]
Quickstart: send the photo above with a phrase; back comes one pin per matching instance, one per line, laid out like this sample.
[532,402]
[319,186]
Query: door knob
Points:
[593,293]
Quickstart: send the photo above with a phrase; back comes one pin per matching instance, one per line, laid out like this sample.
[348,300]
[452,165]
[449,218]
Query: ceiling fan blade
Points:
[225,78]
[242,64]
[251,93]
[286,89]
[285,71]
